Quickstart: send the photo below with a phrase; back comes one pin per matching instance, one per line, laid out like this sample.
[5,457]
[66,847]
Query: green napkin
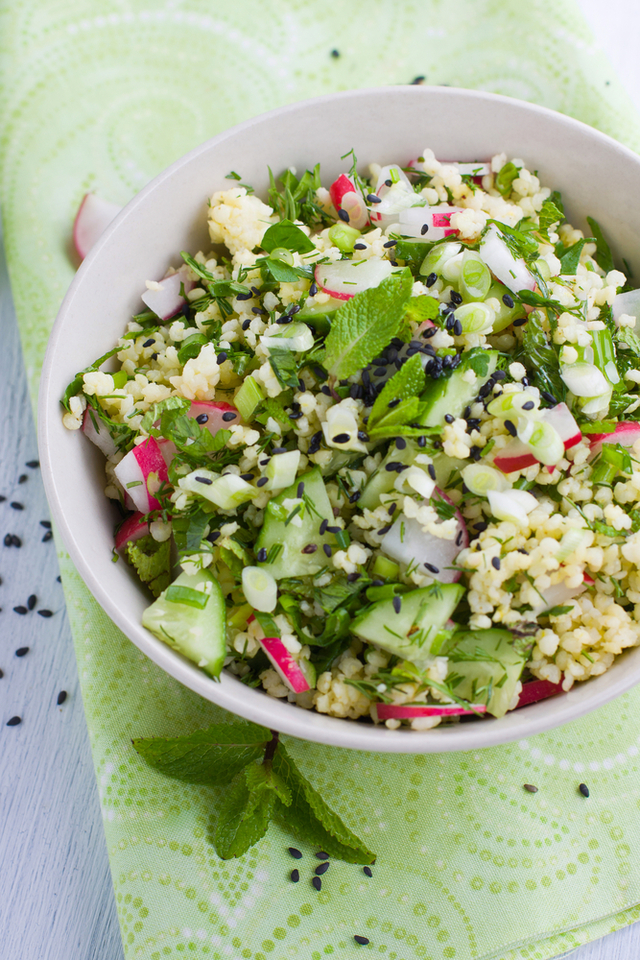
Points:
[102,94]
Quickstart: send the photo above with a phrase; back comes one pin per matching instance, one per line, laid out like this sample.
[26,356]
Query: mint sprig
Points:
[366,324]
[258,793]
[402,392]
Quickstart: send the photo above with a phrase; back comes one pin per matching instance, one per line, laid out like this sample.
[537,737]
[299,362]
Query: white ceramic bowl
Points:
[596,176]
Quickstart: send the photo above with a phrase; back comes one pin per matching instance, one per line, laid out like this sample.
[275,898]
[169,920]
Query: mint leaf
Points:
[244,817]
[570,260]
[151,561]
[422,308]
[283,363]
[214,755]
[280,270]
[558,611]
[262,777]
[407,384]
[505,177]
[549,214]
[154,413]
[189,531]
[311,819]
[603,254]
[366,324]
[286,234]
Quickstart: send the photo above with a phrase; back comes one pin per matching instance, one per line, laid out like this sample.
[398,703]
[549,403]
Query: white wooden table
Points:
[56,898]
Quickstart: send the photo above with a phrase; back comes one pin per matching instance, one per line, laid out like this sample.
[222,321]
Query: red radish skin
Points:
[354,279]
[338,189]
[136,468]
[133,528]
[96,431]
[399,711]
[517,456]
[588,580]
[284,664]
[536,690]
[626,433]
[92,219]
[166,301]
[215,413]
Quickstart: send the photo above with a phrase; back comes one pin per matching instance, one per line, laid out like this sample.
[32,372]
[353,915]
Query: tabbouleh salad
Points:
[377,452]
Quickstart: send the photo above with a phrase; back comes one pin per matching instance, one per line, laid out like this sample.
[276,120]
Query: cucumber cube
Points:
[494,678]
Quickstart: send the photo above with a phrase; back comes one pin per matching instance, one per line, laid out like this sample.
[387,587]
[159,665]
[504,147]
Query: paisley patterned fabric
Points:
[102,94]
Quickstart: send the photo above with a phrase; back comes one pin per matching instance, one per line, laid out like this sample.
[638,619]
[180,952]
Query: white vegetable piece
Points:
[344,278]
[260,589]
[281,470]
[480,479]
[92,219]
[511,505]
[508,269]
[341,422]
[584,379]
[227,491]
[626,303]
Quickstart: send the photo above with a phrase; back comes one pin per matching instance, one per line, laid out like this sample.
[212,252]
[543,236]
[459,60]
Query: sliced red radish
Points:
[165,299]
[558,595]
[167,449]
[345,197]
[407,543]
[510,270]
[517,455]
[536,690]
[429,223]
[96,430]
[141,472]
[344,278]
[339,188]
[588,580]
[219,415]
[92,219]
[133,528]
[283,662]
[399,711]
[626,433]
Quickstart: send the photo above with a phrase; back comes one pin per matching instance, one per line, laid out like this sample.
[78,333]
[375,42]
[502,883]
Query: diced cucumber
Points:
[248,398]
[190,617]
[496,677]
[413,632]
[320,315]
[384,568]
[284,542]
[339,459]
[382,480]
[445,468]
[504,314]
[281,470]
[225,491]
[453,394]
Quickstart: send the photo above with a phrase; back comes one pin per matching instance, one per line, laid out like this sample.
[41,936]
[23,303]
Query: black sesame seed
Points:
[32,464]
[352,577]
[511,427]
[525,382]
[457,328]
[321,868]
[449,418]
[397,604]
[325,389]
[422,441]
[530,788]
[321,855]
[335,54]
[383,531]
[317,883]
[334,529]
[48,535]
[355,496]
[296,415]
[379,372]
[59,578]
[392,509]
[1,674]
[212,537]
[207,482]
[359,246]
[261,482]
[388,183]
[549,397]
[323,527]
[222,356]
[22,651]
[295,875]
[520,322]
[229,416]
[432,568]
[310,548]
[424,229]
[246,476]
[475,453]
[529,405]
[480,526]
[499,375]
[295,853]
[584,789]
[344,215]
[21,610]
[244,296]
[361,940]
[262,554]
[327,549]
[341,438]
[507,300]
[276,450]
[2,498]
[14,721]
[313,290]
[16,506]
[31,602]
[390,243]
[495,563]
[258,311]
[367,871]
[401,443]
[300,490]
[255,291]
[363,436]
[23,478]
[431,279]
[456,298]
[246,323]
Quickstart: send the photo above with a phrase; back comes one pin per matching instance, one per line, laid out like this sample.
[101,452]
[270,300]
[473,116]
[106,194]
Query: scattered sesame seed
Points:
[149,343]
[431,470]
[321,855]
[424,229]
[499,375]
[432,568]
[323,527]
[246,476]
[21,610]
[229,416]
[397,604]
[207,482]
[46,524]
[352,577]
[529,405]
[401,443]
[511,427]
[23,478]
[392,509]
[277,450]
[335,54]
[48,535]
[457,328]
[416,82]
[310,548]
[261,482]
[295,876]
[495,563]
[355,496]
[363,436]
[520,322]
[367,871]
[317,883]
[456,298]
[313,290]
[507,300]
[384,530]
[22,651]
[480,527]
[262,554]
[389,243]
[32,464]
[373,198]
[31,602]
[449,418]
[549,397]
[341,438]
[429,282]
[222,356]
[344,216]
[246,323]
[295,853]
[459,538]
[212,537]
[16,506]
[359,246]
[321,868]
[530,788]
[327,549]
[14,721]
[202,418]
[584,789]
[377,583]
[361,940]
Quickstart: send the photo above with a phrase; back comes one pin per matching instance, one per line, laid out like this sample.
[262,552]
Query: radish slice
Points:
[510,270]
[284,664]
[219,415]
[384,176]
[96,430]
[165,300]
[626,433]
[557,595]
[344,278]
[92,219]
[517,455]
[133,528]
[167,449]
[467,168]
[141,473]
[626,303]
[354,205]
[437,221]
[536,690]
[407,543]
[339,188]
[399,711]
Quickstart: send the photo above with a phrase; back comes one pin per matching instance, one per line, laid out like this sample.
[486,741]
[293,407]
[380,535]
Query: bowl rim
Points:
[267,711]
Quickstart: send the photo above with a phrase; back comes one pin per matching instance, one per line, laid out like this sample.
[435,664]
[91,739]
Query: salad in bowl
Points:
[375,451]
